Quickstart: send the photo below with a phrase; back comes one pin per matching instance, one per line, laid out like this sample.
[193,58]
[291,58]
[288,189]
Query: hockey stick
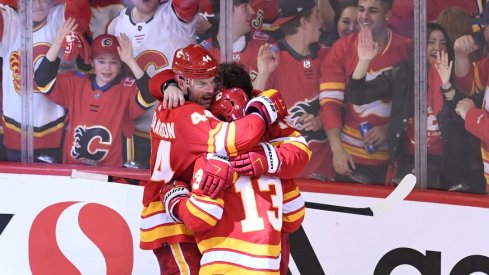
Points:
[400,193]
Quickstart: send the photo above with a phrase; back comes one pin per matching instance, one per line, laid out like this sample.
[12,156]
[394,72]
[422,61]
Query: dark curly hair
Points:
[233,75]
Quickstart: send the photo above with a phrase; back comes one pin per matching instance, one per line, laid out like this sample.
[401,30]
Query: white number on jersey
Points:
[252,221]
[162,170]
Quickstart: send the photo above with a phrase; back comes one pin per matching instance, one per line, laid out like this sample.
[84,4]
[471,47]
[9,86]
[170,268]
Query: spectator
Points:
[245,42]
[293,69]
[103,11]
[156,31]
[457,23]
[350,159]
[193,132]
[401,19]
[482,34]
[345,21]
[49,120]
[446,138]
[98,104]
[473,78]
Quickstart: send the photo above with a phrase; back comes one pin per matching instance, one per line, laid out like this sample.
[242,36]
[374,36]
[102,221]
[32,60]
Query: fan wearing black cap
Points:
[292,67]
[245,42]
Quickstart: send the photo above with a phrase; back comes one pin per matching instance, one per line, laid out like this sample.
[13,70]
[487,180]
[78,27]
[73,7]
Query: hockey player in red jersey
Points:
[263,204]
[181,136]
[98,104]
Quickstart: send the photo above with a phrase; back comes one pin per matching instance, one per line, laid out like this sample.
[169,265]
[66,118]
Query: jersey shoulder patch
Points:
[79,74]
[206,43]
[258,35]
[128,81]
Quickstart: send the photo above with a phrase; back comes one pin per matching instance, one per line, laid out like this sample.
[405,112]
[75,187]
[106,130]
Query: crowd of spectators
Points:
[312,51]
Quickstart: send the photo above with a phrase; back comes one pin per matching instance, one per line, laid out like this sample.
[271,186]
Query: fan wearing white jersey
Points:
[48,120]
[156,31]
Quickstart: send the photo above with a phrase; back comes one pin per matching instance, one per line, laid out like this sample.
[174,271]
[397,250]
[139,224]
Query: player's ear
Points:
[181,83]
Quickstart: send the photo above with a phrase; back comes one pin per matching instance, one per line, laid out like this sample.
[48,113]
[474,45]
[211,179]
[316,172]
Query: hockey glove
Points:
[269,105]
[171,194]
[257,162]
[218,176]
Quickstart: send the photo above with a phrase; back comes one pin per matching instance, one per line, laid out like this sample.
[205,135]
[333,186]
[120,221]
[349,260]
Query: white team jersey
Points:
[101,17]
[154,43]
[45,110]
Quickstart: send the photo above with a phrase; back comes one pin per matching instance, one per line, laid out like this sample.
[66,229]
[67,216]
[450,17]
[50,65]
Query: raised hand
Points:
[125,48]
[444,67]
[268,58]
[68,26]
[464,45]
[367,47]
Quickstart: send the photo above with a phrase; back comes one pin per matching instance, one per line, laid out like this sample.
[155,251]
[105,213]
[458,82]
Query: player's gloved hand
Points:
[171,194]
[269,105]
[218,176]
[257,162]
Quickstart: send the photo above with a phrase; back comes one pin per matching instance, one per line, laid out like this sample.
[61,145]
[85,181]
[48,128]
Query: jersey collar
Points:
[129,14]
[96,87]
[283,46]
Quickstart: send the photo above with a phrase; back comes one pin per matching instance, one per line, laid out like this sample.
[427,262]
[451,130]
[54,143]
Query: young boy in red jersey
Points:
[98,104]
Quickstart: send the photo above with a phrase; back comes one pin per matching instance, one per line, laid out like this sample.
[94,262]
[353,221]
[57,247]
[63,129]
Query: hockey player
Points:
[350,159]
[98,104]
[156,30]
[181,136]
[49,120]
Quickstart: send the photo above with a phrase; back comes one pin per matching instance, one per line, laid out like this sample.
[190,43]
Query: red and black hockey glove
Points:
[257,162]
[170,196]
[269,105]
[217,177]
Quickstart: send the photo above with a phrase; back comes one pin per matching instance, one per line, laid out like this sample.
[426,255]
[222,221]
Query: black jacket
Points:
[392,83]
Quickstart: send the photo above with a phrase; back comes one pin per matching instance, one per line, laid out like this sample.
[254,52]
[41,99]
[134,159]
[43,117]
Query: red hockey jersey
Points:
[336,69]
[179,137]
[96,114]
[241,232]
[297,79]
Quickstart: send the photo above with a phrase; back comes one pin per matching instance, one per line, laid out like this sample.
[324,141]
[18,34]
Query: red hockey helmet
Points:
[194,62]
[229,104]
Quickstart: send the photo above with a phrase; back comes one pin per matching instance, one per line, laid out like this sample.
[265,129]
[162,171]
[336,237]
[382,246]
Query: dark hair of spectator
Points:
[233,75]
[240,2]
[292,27]
[342,5]
[387,4]
[409,103]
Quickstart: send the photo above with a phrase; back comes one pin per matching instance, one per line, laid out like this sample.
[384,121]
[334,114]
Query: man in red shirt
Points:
[351,161]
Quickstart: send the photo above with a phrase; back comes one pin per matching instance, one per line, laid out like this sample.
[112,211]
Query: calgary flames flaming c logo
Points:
[15,67]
